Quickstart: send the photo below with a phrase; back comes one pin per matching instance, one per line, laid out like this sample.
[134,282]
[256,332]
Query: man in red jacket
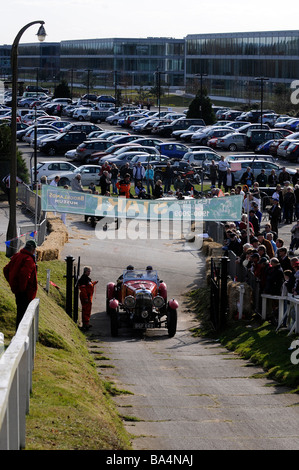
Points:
[21,275]
[86,288]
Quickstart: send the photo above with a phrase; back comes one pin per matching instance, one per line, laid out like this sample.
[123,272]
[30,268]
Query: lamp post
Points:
[12,224]
[201,75]
[262,80]
[158,74]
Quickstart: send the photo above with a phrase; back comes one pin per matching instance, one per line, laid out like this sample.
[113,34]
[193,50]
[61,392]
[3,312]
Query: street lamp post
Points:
[11,234]
[201,75]
[262,80]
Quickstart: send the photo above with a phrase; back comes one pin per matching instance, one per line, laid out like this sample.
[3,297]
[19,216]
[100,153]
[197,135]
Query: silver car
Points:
[232,142]
[256,168]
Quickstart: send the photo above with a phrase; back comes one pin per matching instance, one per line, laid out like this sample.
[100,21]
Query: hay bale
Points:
[58,236]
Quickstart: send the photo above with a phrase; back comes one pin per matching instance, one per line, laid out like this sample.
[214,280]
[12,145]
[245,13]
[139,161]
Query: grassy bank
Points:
[70,406]
[253,339]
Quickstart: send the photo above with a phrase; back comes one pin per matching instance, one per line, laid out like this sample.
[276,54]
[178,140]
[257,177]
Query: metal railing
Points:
[28,198]
[16,366]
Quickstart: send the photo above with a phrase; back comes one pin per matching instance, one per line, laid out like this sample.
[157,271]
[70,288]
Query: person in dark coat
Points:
[168,177]
[274,279]
[274,215]
[288,205]
[21,274]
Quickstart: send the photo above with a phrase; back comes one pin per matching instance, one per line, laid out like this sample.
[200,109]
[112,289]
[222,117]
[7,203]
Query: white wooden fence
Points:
[16,366]
[288,306]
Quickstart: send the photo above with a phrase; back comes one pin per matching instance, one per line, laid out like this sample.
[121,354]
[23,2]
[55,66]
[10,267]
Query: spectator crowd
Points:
[255,239]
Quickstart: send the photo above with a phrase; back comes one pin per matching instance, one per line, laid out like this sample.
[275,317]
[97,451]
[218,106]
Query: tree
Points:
[5,142]
[62,90]
[201,107]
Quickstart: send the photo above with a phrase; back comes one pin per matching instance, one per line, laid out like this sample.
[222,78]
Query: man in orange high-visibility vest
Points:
[86,288]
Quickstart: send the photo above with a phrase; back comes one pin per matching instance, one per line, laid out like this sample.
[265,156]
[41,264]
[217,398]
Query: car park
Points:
[138,300]
[89,174]
[61,143]
[51,168]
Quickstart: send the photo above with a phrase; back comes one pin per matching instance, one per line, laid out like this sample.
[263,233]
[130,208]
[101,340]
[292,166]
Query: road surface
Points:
[186,393]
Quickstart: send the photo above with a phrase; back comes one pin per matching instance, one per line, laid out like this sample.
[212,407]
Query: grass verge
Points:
[254,339]
[70,407]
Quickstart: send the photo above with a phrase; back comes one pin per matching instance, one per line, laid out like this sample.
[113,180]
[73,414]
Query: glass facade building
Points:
[230,62]
[233,60]
[135,60]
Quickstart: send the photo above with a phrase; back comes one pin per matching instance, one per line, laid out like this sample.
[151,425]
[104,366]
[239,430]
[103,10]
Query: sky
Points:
[90,19]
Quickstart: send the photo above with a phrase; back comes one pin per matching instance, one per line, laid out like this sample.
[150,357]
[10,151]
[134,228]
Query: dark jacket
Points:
[274,281]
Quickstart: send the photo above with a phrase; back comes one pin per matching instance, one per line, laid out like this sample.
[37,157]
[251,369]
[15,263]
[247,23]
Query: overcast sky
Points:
[88,19]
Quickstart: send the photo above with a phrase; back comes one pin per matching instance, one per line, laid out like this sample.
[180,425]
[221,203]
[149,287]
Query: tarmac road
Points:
[187,393]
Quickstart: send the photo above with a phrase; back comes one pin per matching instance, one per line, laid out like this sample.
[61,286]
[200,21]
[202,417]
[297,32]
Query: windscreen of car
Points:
[140,275]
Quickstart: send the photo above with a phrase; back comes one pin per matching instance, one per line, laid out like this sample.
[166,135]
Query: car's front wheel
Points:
[172,318]
[232,147]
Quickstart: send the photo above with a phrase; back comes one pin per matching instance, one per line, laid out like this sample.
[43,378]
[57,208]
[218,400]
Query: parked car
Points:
[51,168]
[172,150]
[113,119]
[114,149]
[204,135]
[30,135]
[81,114]
[178,134]
[232,142]
[197,158]
[89,147]
[249,127]
[149,142]
[280,120]
[256,137]
[181,123]
[62,142]
[123,158]
[106,98]
[98,115]
[82,127]
[292,153]
[256,167]
[89,174]
[250,157]
[269,118]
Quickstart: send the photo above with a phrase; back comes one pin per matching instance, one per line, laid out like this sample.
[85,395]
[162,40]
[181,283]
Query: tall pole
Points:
[262,80]
[11,234]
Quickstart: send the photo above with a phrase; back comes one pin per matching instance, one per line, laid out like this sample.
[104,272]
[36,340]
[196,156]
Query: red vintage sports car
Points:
[139,300]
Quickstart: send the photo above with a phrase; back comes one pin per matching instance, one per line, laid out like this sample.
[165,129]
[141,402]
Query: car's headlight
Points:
[158,301]
[130,301]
